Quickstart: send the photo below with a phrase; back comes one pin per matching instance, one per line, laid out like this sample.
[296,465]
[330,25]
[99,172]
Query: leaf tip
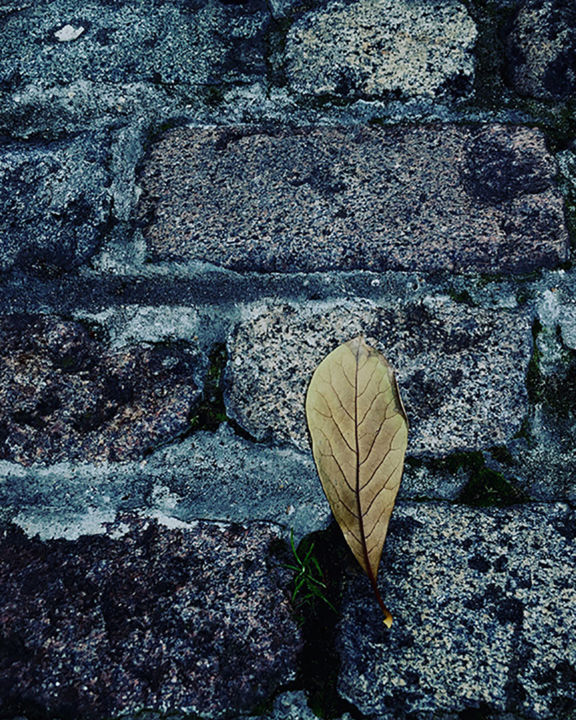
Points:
[388,621]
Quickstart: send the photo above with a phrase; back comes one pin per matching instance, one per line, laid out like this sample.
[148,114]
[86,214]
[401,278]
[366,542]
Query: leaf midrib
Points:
[357,451]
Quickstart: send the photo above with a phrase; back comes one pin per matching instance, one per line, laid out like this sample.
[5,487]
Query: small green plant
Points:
[309,585]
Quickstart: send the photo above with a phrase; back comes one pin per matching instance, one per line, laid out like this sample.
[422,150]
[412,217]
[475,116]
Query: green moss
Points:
[461,296]
[485,487]
[213,95]
[487,278]
[524,294]
[490,90]
[524,433]
[488,488]
[308,586]
[265,707]
[535,383]
[554,388]
[501,454]
[211,411]
[470,462]
[275,42]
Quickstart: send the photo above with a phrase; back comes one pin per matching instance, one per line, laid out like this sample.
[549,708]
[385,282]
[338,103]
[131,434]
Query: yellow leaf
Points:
[359,435]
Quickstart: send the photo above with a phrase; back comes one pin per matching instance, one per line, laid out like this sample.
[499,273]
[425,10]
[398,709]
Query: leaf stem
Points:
[387,614]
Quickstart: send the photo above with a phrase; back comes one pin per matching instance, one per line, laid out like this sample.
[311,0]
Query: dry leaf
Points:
[359,435]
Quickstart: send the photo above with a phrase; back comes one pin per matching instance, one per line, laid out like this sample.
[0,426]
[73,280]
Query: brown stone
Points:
[65,395]
[373,198]
[194,619]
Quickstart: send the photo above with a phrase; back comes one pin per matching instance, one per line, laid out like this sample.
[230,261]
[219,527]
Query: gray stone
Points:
[541,49]
[283,8]
[67,395]
[291,706]
[568,326]
[187,618]
[484,616]
[214,475]
[179,44]
[345,198]
[541,457]
[391,48]
[54,202]
[461,370]
[49,112]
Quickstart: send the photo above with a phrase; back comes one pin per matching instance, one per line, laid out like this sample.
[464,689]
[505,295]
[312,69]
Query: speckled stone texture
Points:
[485,615]
[461,371]
[389,48]
[54,202]
[65,395]
[194,619]
[541,49]
[176,44]
[401,198]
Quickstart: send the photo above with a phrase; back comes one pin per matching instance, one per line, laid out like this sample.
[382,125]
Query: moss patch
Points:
[491,18]
[211,411]
[488,488]
[553,387]
[484,487]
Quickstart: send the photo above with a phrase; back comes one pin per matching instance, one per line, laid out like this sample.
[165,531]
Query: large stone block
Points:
[54,202]
[66,395]
[484,610]
[192,618]
[400,198]
[383,48]
[175,44]
[461,370]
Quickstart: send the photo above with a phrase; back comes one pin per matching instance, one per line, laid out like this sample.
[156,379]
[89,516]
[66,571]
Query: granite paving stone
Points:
[484,613]
[170,617]
[171,44]
[66,395]
[426,198]
[461,370]
[383,48]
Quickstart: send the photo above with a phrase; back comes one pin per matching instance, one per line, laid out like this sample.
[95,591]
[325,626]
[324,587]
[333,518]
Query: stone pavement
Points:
[198,201]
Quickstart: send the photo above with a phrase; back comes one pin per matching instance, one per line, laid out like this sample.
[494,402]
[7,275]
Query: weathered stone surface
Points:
[66,396]
[568,326]
[373,48]
[190,618]
[54,202]
[541,49]
[404,198]
[176,44]
[36,110]
[461,370]
[543,456]
[484,615]
[218,476]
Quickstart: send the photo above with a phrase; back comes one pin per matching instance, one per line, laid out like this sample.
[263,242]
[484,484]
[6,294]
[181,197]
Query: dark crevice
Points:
[319,664]
[211,412]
